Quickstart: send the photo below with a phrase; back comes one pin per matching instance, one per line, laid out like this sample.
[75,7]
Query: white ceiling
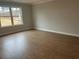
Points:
[30,1]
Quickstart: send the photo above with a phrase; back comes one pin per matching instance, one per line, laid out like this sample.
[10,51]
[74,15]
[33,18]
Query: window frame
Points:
[11,16]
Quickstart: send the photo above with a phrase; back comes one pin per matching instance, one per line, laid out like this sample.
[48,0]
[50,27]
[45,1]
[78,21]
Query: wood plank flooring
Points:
[35,44]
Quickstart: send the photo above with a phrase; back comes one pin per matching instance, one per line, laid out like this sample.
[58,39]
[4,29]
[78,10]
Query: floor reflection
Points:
[14,46]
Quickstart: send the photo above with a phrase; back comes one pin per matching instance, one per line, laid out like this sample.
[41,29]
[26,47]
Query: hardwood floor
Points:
[35,44]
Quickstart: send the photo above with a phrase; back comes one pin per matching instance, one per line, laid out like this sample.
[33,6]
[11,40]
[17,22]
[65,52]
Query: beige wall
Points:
[27,18]
[60,16]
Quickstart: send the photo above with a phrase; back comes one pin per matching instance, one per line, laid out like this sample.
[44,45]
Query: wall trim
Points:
[20,30]
[64,33]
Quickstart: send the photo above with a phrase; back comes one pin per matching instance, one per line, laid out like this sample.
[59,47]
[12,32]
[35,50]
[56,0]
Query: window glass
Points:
[17,16]
[5,17]
[10,16]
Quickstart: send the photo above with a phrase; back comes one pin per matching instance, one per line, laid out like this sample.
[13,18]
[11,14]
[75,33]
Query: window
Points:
[5,17]
[17,16]
[10,16]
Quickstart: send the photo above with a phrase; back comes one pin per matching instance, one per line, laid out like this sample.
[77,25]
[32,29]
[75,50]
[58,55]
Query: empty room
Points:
[39,29]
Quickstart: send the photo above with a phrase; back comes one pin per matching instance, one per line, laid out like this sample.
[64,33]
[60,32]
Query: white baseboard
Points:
[69,34]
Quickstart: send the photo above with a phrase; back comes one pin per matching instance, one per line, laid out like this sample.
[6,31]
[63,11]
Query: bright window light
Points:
[10,16]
